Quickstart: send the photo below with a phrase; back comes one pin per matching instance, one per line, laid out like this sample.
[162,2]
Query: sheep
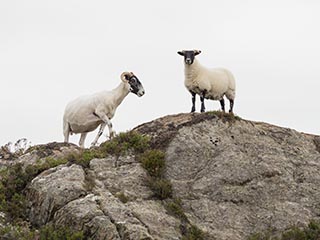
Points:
[86,113]
[207,83]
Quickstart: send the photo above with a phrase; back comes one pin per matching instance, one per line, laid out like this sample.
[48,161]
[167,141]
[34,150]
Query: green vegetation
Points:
[153,161]
[310,232]
[14,180]
[174,208]
[84,157]
[227,117]
[194,233]
[124,142]
[189,231]
[120,145]
[47,232]
[16,233]
[12,200]
[122,197]
[33,170]
[161,188]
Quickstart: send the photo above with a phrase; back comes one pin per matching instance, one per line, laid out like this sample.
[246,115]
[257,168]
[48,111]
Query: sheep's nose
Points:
[141,93]
[188,60]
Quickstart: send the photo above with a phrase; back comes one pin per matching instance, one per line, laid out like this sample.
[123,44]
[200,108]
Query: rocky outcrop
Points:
[233,177]
[89,200]
[37,154]
[240,177]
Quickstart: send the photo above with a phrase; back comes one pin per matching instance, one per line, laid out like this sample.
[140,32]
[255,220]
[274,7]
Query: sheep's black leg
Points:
[203,109]
[222,104]
[193,109]
[231,105]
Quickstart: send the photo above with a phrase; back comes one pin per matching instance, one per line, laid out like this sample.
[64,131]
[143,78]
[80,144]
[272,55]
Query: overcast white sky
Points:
[54,51]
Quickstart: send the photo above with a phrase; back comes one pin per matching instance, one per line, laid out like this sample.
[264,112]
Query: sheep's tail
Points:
[231,93]
[66,130]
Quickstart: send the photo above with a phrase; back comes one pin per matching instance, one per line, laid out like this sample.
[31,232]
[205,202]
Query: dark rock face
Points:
[234,177]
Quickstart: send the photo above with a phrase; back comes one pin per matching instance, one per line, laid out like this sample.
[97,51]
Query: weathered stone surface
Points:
[234,178]
[240,177]
[37,154]
[153,215]
[128,225]
[59,195]
[53,189]
[85,214]
[123,175]
[140,217]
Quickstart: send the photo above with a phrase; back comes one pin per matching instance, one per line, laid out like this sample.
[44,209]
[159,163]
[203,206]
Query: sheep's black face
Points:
[135,85]
[189,55]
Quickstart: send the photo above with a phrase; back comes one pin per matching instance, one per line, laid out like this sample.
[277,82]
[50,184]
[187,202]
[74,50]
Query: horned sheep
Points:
[86,113]
[211,84]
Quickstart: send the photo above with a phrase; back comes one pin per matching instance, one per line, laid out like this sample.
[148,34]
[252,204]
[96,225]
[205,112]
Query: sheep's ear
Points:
[196,52]
[181,53]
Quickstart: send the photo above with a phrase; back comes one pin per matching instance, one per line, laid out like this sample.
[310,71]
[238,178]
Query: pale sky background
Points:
[54,51]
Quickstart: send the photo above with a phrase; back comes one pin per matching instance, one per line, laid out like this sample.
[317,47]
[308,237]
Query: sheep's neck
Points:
[192,71]
[120,93]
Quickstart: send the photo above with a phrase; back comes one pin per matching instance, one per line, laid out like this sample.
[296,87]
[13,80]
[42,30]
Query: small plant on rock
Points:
[124,142]
[122,197]
[310,232]
[194,233]
[162,188]
[153,161]
[174,208]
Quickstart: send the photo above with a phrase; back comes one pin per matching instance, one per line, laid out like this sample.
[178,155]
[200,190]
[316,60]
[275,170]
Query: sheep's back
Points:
[81,108]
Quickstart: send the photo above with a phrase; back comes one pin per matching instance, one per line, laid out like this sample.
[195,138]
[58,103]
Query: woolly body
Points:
[211,83]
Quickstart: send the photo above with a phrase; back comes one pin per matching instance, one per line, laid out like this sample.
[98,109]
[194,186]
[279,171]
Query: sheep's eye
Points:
[132,80]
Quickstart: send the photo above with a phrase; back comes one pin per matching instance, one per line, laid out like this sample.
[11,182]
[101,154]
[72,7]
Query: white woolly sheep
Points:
[211,84]
[86,113]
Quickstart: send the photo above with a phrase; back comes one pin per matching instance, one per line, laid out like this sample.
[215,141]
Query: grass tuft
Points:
[122,197]
[194,233]
[153,161]
[122,143]
[174,208]
[13,181]
[227,117]
[310,232]
[47,232]
[161,188]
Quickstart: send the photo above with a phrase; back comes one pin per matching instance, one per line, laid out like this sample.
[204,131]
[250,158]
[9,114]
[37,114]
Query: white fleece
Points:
[216,82]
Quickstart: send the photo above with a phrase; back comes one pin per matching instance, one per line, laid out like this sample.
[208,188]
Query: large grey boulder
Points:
[52,190]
